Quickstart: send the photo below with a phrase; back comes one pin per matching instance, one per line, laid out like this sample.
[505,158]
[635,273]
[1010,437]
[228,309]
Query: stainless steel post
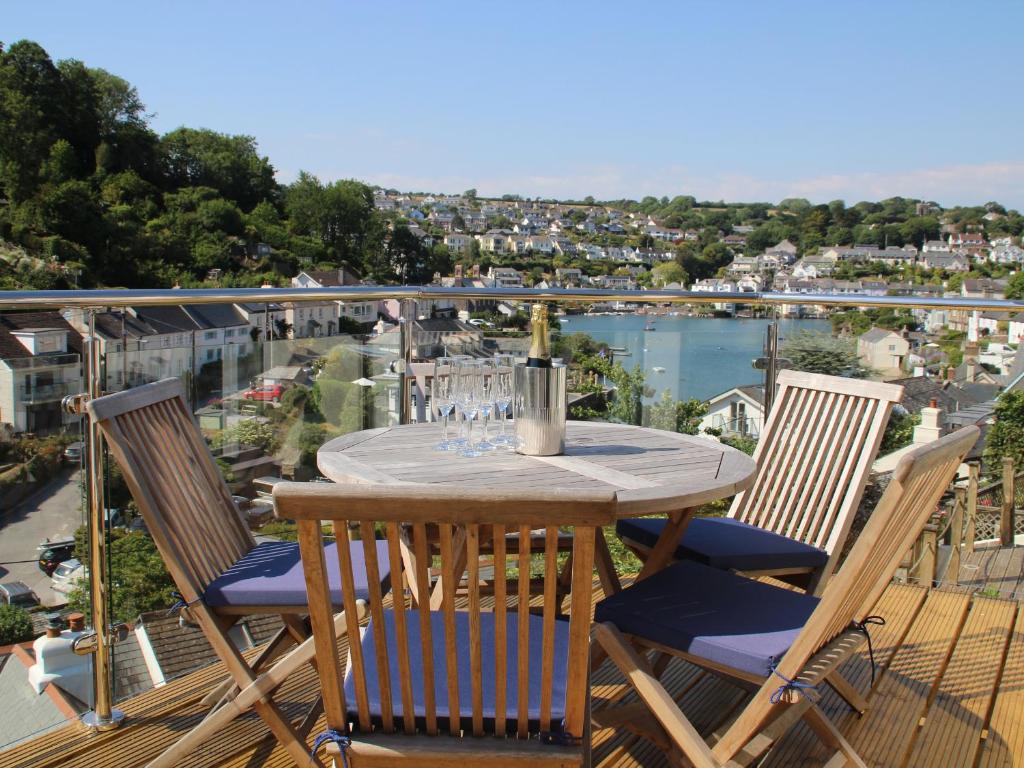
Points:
[771,370]
[407,315]
[103,716]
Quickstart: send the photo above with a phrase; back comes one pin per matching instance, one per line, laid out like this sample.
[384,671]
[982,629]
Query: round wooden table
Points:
[653,471]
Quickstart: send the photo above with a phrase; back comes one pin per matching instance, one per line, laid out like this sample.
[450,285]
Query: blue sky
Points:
[721,100]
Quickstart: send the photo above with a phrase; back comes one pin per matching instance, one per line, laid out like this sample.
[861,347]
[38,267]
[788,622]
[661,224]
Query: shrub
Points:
[15,625]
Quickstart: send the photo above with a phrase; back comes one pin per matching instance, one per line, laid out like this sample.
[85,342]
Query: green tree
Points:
[816,352]
[1015,286]
[666,273]
[15,625]
[677,416]
[140,579]
[1006,435]
[229,164]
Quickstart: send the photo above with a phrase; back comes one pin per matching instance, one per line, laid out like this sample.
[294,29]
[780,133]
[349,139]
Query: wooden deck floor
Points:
[948,691]
[993,571]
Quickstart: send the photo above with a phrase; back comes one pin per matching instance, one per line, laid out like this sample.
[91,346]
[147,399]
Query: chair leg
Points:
[847,692]
[256,695]
[227,689]
[830,736]
[638,673]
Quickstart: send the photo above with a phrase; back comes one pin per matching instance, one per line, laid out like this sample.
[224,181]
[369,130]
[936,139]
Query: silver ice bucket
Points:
[539,409]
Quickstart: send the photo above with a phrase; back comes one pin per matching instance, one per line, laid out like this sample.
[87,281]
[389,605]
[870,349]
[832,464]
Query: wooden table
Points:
[653,471]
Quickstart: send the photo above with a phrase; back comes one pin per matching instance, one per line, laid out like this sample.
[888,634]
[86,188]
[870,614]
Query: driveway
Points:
[53,510]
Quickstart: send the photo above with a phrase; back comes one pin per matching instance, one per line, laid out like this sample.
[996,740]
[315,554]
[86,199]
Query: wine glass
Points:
[441,398]
[486,387]
[504,366]
[467,399]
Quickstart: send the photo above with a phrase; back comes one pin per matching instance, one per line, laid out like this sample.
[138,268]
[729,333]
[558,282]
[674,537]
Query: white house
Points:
[40,363]
[737,412]
[882,349]
[1016,329]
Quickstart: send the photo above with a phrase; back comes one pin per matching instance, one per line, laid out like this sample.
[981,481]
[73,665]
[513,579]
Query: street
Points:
[53,510]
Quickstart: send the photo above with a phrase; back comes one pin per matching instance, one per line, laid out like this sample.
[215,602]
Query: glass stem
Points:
[444,428]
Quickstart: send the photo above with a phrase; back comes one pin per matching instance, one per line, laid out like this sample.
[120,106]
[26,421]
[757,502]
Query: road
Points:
[53,510]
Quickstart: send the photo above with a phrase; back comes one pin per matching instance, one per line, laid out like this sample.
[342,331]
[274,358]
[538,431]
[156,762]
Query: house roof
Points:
[179,650]
[11,348]
[919,391]
[877,334]
[754,392]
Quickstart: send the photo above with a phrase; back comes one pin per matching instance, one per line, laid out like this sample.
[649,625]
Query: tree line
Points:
[92,195]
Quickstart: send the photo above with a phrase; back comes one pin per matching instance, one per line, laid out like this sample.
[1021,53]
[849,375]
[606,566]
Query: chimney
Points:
[971,360]
[932,424]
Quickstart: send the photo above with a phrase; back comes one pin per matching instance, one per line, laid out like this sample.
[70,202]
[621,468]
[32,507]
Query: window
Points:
[892,347]
[229,333]
[210,336]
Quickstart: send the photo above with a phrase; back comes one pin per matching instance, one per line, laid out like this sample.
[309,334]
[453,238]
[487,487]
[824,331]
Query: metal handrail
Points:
[176,296]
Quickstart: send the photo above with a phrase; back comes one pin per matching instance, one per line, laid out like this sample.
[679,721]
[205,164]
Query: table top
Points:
[653,471]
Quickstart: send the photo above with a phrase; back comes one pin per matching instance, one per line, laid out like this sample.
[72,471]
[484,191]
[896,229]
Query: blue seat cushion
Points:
[488,653]
[722,542]
[271,574]
[711,614]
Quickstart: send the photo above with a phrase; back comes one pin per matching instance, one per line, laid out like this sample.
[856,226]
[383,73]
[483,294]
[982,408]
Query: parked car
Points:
[54,552]
[18,593]
[67,573]
[266,392]
[73,453]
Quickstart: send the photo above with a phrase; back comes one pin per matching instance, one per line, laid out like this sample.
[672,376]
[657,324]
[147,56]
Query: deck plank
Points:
[1004,745]
[953,726]
[899,605]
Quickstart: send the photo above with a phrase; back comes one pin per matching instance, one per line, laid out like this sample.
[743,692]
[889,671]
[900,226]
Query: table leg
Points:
[459,568]
[667,542]
[610,583]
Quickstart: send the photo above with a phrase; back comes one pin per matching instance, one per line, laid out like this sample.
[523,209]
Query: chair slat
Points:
[577,677]
[166,492]
[523,619]
[451,647]
[475,648]
[500,631]
[550,610]
[790,433]
[380,644]
[314,566]
[422,577]
[801,441]
[393,534]
[348,594]
[820,437]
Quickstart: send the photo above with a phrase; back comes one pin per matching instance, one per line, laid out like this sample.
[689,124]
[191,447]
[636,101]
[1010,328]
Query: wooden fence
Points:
[971,515]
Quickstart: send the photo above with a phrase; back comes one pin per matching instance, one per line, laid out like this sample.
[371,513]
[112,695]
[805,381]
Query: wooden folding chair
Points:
[778,641]
[220,571]
[813,460]
[488,683]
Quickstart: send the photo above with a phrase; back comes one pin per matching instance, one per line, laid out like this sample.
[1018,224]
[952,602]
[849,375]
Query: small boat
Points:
[658,369]
[649,325]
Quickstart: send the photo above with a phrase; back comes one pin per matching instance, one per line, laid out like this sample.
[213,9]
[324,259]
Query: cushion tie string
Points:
[182,602]
[559,739]
[782,692]
[862,626]
[331,736]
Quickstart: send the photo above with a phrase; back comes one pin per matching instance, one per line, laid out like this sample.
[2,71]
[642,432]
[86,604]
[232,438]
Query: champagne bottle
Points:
[540,350]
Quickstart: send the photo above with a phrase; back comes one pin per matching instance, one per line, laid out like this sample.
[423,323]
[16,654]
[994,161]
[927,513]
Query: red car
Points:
[272,392]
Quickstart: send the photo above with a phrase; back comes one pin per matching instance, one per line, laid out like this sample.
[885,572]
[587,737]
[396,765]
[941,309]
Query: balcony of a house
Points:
[942,677]
[33,394]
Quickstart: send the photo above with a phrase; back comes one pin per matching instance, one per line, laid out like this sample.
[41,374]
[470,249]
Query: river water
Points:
[701,356]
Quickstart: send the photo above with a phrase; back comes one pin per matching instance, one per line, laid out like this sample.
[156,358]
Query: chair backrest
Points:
[814,456]
[175,482]
[481,670]
[917,484]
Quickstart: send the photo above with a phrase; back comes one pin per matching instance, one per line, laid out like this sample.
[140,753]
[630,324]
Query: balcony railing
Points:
[47,393]
[219,397]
